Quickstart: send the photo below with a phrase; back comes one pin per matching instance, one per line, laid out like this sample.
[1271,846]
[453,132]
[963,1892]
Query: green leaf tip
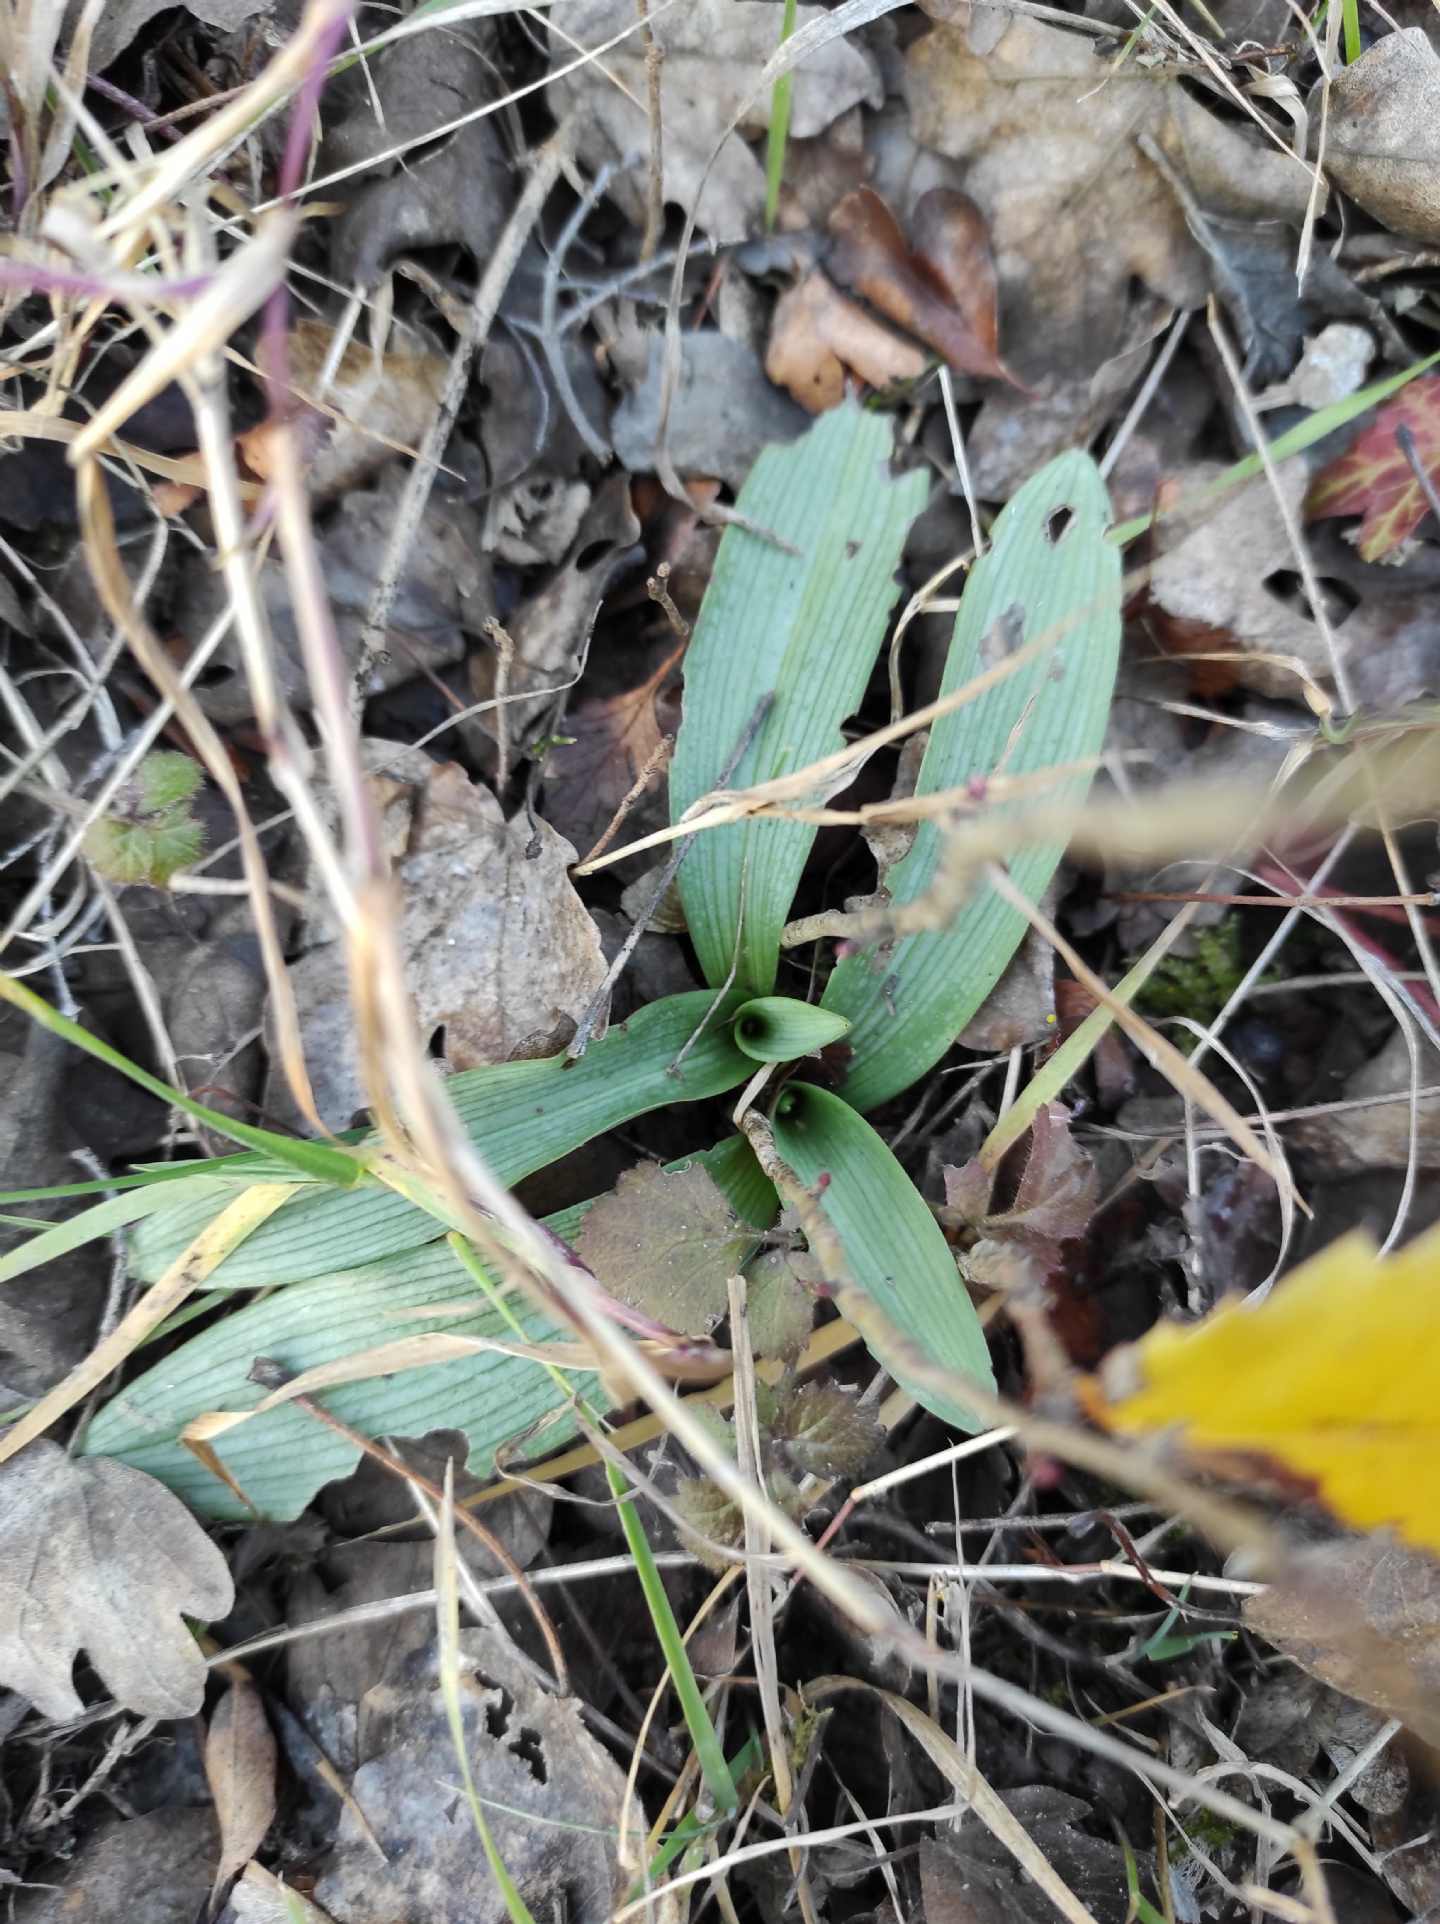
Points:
[777,1028]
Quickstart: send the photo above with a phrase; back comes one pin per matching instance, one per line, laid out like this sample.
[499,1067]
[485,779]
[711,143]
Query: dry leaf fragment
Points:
[1365,1619]
[1382,145]
[713,53]
[1055,1199]
[499,951]
[666,1241]
[377,404]
[553,1798]
[101,1557]
[818,337]
[1075,211]
[722,413]
[942,290]
[1330,1378]
[613,742]
[240,1761]
[1374,479]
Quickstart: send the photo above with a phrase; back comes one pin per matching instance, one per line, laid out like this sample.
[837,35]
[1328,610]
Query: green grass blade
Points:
[1075,1051]
[313,1160]
[523,1116]
[709,1751]
[892,1243]
[802,628]
[1315,427]
[282,1458]
[103,1219]
[780,124]
[1048,579]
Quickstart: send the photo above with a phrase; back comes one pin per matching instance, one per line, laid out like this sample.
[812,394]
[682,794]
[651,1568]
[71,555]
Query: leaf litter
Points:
[1039,210]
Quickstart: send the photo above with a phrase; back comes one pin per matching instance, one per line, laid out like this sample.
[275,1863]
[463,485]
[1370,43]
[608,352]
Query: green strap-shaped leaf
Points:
[891,1242]
[1049,573]
[282,1458]
[523,1115]
[802,629]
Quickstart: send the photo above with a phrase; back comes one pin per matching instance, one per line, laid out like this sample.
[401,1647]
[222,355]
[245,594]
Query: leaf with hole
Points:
[1047,593]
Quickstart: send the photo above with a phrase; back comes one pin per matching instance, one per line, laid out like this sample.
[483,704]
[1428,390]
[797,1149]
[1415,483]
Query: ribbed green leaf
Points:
[1050,572]
[802,628]
[777,1028]
[523,1115]
[283,1457]
[892,1244]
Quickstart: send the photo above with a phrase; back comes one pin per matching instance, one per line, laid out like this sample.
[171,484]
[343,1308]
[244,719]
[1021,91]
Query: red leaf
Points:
[1373,478]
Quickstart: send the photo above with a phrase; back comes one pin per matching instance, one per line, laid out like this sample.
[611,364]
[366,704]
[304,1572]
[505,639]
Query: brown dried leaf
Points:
[499,950]
[713,55]
[552,1795]
[101,1557]
[1075,212]
[1383,141]
[1364,1619]
[666,1241]
[1053,1203]
[943,290]
[1058,1190]
[375,406]
[818,338]
[613,742]
[240,1770]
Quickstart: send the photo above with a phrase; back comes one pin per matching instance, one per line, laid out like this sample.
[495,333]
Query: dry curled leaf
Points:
[1382,144]
[377,403]
[612,743]
[240,1760]
[1055,1199]
[713,54]
[941,289]
[818,338]
[1365,1619]
[666,1241]
[100,1557]
[1330,1379]
[1075,211]
[1374,479]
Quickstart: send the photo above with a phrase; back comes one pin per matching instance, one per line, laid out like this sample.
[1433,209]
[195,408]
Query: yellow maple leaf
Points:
[1335,1377]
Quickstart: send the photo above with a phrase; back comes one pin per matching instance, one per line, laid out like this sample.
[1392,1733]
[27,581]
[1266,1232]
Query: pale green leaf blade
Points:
[891,1242]
[522,1115]
[801,628]
[282,1458]
[1049,573]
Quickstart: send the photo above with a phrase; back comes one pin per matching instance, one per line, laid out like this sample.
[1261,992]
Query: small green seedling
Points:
[149,832]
